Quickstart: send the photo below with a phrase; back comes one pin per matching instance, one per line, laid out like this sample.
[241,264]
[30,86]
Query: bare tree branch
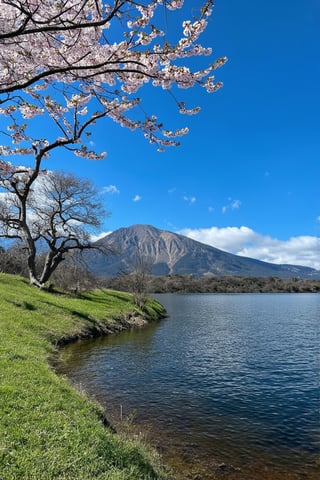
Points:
[58,212]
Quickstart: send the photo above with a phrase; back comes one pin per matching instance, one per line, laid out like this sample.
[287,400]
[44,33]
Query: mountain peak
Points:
[170,253]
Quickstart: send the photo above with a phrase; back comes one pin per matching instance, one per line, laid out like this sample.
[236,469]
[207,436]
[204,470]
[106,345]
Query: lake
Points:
[226,387]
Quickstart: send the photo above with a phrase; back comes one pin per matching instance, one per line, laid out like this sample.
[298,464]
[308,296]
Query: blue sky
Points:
[246,177]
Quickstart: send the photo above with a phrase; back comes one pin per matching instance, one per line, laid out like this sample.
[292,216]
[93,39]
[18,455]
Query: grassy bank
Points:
[47,429]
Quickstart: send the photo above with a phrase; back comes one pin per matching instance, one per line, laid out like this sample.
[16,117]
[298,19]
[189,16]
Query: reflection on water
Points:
[226,387]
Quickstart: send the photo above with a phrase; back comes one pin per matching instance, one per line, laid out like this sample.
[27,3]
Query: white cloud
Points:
[190,200]
[243,241]
[95,238]
[232,205]
[137,198]
[112,189]
[235,204]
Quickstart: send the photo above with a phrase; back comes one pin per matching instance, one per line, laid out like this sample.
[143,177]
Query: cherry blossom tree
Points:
[88,59]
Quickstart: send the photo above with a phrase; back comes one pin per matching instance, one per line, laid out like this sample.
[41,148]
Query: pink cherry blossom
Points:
[77,61]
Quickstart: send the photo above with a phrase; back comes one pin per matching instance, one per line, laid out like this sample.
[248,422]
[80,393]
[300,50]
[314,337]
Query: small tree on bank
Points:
[52,217]
[138,276]
[73,275]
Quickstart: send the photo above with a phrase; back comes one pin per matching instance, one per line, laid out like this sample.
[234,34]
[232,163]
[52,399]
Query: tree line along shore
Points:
[211,284]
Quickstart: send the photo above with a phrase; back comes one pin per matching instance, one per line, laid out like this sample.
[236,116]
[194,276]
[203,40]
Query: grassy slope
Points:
[47,429]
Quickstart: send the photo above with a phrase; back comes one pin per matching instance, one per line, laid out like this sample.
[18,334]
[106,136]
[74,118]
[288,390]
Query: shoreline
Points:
[98,329]
[129,321]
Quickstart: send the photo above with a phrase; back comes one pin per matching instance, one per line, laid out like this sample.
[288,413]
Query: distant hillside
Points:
[170,253]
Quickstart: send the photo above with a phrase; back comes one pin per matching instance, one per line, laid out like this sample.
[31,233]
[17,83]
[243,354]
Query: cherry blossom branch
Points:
[60,48]
[46,27]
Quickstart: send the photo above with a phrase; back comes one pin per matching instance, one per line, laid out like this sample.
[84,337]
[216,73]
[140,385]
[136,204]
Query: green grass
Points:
[48,430]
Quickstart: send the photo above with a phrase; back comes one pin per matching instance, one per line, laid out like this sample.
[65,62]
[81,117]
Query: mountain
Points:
[169,253]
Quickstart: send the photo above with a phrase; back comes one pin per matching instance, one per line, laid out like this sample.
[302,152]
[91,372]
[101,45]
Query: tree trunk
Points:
[34,281]
[33,277]
[53,259]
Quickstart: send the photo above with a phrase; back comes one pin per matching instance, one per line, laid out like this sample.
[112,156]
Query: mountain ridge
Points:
[169,253]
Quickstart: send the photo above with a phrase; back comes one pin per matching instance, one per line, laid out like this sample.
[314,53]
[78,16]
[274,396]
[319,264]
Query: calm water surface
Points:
[226,387]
